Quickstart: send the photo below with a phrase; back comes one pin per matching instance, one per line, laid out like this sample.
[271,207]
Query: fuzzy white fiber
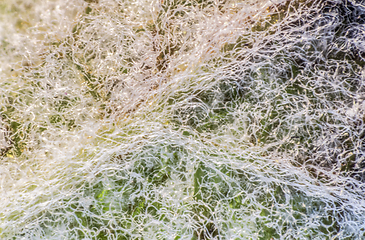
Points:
[182,119]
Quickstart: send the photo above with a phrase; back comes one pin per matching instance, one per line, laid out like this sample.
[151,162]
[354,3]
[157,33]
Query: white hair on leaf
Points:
[182,119]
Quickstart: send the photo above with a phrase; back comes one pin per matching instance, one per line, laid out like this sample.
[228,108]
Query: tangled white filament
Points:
[182,119]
